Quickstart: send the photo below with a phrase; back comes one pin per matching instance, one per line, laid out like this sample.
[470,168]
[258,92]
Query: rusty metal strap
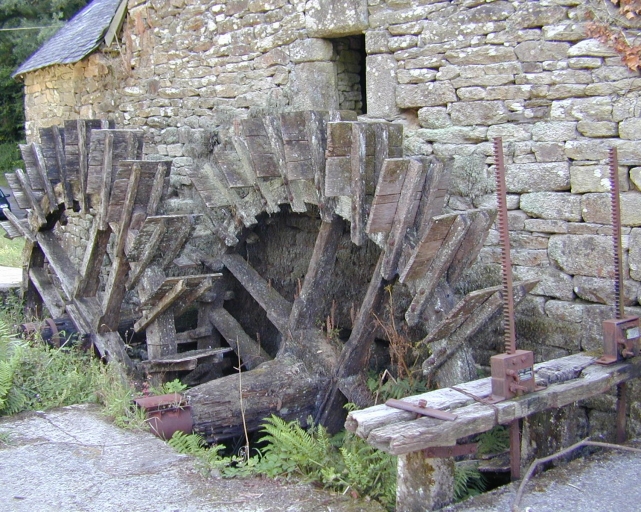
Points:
[55,335]
[480,400]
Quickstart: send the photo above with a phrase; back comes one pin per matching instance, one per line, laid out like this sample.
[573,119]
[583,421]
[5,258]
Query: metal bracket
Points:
[421,409]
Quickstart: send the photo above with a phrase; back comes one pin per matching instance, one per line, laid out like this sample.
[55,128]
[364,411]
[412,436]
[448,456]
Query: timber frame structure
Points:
[139,266]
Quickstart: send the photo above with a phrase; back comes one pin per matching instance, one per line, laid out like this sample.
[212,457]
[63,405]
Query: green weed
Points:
[11,251]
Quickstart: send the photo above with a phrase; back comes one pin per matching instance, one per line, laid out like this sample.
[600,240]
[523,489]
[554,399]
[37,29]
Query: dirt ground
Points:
[73,459]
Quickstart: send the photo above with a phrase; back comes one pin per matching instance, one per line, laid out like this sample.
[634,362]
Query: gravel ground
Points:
[72,459]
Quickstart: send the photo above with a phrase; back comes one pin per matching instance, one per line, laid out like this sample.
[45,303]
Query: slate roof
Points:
[80,36]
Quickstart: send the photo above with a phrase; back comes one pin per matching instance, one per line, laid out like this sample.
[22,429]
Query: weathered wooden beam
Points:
[32,257]
[216,407]
[277,308]
[115,290]
[127,210]
[316,127]
[83,164]
[59,261]
[143,261]
[89,273]
[112,347]
[405,214]
[18,194]
[163,305]
[357,187]
[20,226]
[319,273]
[438,266]
[568,380]
[157,187]
[194,335]
[41,168]
[179,234]
[275,136]
[106,182]
[191,296]
[245,347]
[57,140]
[387,194]
[33,201]
[50,295]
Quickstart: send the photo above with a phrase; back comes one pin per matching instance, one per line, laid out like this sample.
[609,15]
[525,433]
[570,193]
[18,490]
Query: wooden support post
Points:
[60,159]
[317,137]
[83,165]
[245,347]
[277,308]
[318,276]
[114,295]
[41,167]
[424,484]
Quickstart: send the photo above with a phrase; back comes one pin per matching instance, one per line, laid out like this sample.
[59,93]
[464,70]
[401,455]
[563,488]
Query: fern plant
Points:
[468,481]
[11,398]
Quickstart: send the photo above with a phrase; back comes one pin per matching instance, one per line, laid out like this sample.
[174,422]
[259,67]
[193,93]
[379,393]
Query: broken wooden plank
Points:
[248,350]
[438,266]
[115,290]
[192,295]
[269,199]
[406,209]
[50,295]
[277,308]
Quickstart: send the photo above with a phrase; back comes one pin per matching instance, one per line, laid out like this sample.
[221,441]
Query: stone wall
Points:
[457,75]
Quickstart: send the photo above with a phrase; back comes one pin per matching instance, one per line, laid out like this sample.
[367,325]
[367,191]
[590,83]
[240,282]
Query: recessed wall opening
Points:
[350,71]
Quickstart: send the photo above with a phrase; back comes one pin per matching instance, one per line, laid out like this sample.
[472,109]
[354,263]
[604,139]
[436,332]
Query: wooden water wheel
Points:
[143,260]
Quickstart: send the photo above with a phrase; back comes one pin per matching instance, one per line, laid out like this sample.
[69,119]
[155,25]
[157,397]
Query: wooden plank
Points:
[273,130]
[387,194]
[59,261]
[317,135]
[58,142]
[41,168]
[311,297]
[163,287]
[270,202]
[339,139]
[21,226]
[48,148]
[137,248]
[470,319]
[150,248]
[231,166]
[34,203]
[162,306]
[439,265]
[95,250]
[191,296]
[245,347]
[50,295]
[404,218]
[194,335]
[381,151]
[294,126]
[433,195]
[158,187]
[357,184]
[31,167]
[190,355]
[10,231]
[219,220]
[114,295]
[18,194]
[179,230]
[410,436]
[366,421]
[277,308]
[127,210]
[471,245]
[338,176]
[428,246]
[112,347]
[102,222]
[83,165]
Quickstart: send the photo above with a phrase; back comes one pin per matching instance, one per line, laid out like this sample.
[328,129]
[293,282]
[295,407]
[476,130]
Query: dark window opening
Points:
[350,72]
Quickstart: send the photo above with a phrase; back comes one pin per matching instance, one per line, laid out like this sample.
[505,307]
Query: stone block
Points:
[564,311]
[582,254]
[555,131]
[630,129]
[435,32]
[509,92]
[425,95]
[381,86]
[540,51]
[546,226]
[591,48]
[564,31]
[600,290]
[552,205]
[311,50]
[537,177]
[548,151]
[595,129]
[483,113]
[552,282]
[336,18]
[454,135]
[415,76]
[582,109]
[314,86]
[597,208]
[510,132]
[434,117]
[402,43]
[635,177]
[534,15]
[588,149]
[634,254]
[516,220]
[481,55]
[376,41]
[595,178]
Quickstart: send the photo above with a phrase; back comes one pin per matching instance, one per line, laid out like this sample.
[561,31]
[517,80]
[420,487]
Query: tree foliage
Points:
[24,26]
